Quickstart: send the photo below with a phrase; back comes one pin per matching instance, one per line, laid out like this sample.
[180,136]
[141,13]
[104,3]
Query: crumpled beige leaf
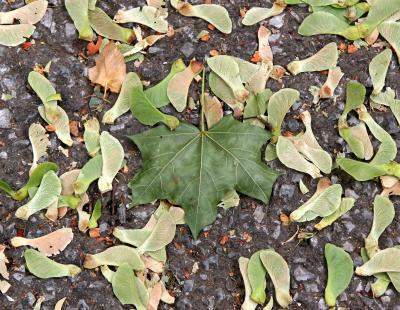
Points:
[155,294]
[212,110]
[110,68]
[143,43]
[50,244]
[178,86]
[30,14]
[60,304]
[40,141]
[4,286]
[334,76]
[3,262]
[148,16]
[257,14]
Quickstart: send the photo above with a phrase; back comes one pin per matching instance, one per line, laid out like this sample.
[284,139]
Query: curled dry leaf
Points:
[156,3]
[106,27]
[325,201]
[3,261]
[113,156]
[391,187]
[143,44]
[4,286]
[47,194]
[212,110]
[326,58]
[178,86]
[257,14]
[334,76]
[155,293]
[340,272]
[39,302]
[78,10]
[50,244]
[115,256]
[148,16]
[110,69]
[91,136]
[43,267]
[152,264]
[30,14]
[40,141]
[60,304]
[215,14]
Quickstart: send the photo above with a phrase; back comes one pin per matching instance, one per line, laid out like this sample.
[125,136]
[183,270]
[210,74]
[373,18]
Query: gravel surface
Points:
[217,283]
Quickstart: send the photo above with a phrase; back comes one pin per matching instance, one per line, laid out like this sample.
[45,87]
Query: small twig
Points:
[292,237]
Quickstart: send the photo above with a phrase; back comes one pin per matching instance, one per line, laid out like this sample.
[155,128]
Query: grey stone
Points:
[187,49]
[286,190]
[258,214]
[302,274]
[348,247]
[277,21]
[5,119]
[188,285]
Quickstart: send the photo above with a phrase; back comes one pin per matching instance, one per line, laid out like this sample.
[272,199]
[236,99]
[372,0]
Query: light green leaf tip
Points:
[129,289]
[112,154]
[47,194]
[43,267]
[257,14]
[378,68]
[78,10]
[325,201]
[326,58]
[340,272]
[115,256]
[386,260]
[96,214]
[278,271]
[215,14]
[91,136]
[122,105]
[345,206]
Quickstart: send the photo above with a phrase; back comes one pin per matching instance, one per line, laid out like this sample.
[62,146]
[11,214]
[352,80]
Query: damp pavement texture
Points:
[217,283]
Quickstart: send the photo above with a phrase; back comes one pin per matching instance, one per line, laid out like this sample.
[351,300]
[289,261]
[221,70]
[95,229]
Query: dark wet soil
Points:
[217,284]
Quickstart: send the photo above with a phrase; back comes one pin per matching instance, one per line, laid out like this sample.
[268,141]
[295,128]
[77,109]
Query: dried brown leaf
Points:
[212,110]
[110,68]
[3,262]
[155,296]
[334,77]
[50,244]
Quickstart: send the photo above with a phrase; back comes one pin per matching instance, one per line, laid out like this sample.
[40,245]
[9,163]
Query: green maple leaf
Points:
[196,168]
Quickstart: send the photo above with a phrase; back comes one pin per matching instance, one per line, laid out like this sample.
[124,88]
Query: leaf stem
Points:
[202,99]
